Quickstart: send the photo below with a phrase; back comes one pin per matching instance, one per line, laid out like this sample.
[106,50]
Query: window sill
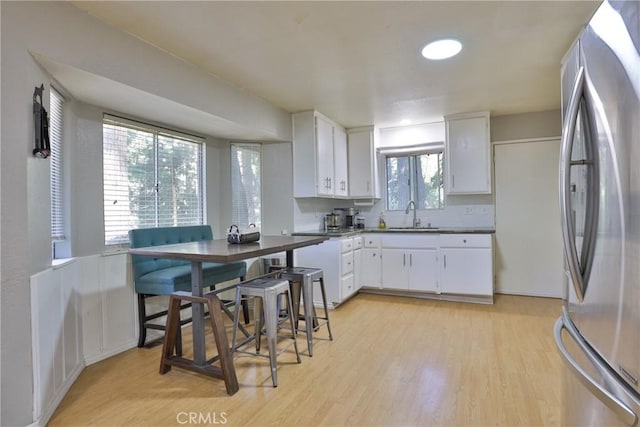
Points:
[59,263]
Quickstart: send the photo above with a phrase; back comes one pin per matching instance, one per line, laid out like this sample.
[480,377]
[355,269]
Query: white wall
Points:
[59,31]
[277,188]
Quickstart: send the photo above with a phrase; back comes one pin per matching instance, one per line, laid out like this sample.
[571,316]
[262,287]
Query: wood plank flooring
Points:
[393,362]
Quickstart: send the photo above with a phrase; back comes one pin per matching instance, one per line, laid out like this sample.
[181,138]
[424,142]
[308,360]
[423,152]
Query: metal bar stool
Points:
[267,290]
[307,277]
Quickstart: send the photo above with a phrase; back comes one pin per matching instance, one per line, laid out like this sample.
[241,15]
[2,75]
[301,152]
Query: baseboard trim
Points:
[477,299]
[90,360]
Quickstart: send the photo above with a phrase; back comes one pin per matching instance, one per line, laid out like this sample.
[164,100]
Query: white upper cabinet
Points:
[319,157]
[468,154]
[324,157]
[363,171]
[340,168]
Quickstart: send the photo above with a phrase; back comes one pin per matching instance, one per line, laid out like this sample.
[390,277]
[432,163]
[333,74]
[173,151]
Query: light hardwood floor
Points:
[393,362]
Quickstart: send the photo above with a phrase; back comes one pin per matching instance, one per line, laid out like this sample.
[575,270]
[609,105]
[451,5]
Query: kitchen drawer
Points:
[410,241]
[346,245]
[371,241]
[347,285]
[346,263]
[465,240]
[358,242]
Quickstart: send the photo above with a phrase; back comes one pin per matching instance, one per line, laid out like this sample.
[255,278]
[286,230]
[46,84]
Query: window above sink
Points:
[416,176]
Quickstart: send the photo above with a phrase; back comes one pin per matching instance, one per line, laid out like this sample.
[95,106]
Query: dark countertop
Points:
[343,233]
[394,230]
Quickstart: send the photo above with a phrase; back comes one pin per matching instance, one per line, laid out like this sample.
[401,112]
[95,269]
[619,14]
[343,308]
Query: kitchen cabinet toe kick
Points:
[477,299]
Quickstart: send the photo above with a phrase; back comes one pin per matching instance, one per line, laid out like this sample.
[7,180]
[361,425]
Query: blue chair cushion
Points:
[160,276]
[178,278]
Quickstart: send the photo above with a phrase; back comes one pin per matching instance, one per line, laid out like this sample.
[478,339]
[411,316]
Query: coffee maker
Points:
[348,217]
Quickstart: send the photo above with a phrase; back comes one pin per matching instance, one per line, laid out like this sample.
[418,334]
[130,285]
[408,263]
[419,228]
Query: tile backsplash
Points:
[459,211]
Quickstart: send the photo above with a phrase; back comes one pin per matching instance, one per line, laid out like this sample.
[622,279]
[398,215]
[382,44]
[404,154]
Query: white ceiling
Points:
[359,62]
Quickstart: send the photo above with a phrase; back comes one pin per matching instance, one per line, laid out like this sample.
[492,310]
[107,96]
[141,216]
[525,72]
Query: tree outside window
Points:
[246,184]
[416,177]
[152,178]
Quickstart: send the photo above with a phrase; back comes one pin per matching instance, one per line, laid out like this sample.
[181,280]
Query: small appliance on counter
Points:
[332,222]
[348,217]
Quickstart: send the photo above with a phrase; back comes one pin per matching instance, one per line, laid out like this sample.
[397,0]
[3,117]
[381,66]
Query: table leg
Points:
[289,258]
[197,311]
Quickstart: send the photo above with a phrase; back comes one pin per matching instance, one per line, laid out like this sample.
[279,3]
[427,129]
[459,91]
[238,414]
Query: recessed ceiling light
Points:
[442,49]
[405,122]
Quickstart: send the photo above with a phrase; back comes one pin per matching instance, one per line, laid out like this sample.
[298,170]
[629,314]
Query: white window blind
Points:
[55,138]
[152,178]
[246,184]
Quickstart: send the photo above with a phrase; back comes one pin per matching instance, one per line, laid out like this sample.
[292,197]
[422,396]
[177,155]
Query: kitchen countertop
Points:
[439,230]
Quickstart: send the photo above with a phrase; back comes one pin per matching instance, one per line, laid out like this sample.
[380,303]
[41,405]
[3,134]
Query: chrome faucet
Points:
[416,221]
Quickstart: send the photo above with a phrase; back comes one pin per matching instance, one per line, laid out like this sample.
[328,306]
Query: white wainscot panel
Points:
[108,313]
[56,338]
[118,303]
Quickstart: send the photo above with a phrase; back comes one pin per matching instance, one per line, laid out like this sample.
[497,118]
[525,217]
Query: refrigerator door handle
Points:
[566,145]
[605,396]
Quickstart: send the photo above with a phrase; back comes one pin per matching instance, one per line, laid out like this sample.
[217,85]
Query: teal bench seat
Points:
[160,276]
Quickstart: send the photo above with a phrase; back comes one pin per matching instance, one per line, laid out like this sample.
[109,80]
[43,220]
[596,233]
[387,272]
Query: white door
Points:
[423,270]
[357,269]
[324,141]
[395,274]
[370,274]
[466,271]
[529,258]
[468,150]
[360,167]
[341,177]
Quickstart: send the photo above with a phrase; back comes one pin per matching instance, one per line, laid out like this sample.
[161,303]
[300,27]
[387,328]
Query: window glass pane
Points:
[416,177]
[428,183]
[151,179]
[398,183]
[129,181]
[55,139]
[246,191]
[179,192]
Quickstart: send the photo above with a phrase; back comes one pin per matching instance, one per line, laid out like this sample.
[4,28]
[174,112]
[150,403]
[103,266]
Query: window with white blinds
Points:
[55,138]
[246,184]
[152,178]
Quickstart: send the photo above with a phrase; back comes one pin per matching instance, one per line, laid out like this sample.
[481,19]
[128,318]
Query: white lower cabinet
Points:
[446,264]
[370,267]
[336,258]
[423,270]
[358,243]
[467,264]
[410,262]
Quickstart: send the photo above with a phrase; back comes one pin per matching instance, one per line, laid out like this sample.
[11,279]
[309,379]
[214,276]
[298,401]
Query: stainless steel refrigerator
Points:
[598,333]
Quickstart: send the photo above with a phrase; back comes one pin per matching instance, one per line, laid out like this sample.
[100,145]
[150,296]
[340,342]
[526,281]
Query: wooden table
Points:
[223,252]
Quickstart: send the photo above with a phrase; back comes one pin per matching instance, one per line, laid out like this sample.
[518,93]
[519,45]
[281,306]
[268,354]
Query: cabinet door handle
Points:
[445,261]
[410,260]
[404,260]
[329,183]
